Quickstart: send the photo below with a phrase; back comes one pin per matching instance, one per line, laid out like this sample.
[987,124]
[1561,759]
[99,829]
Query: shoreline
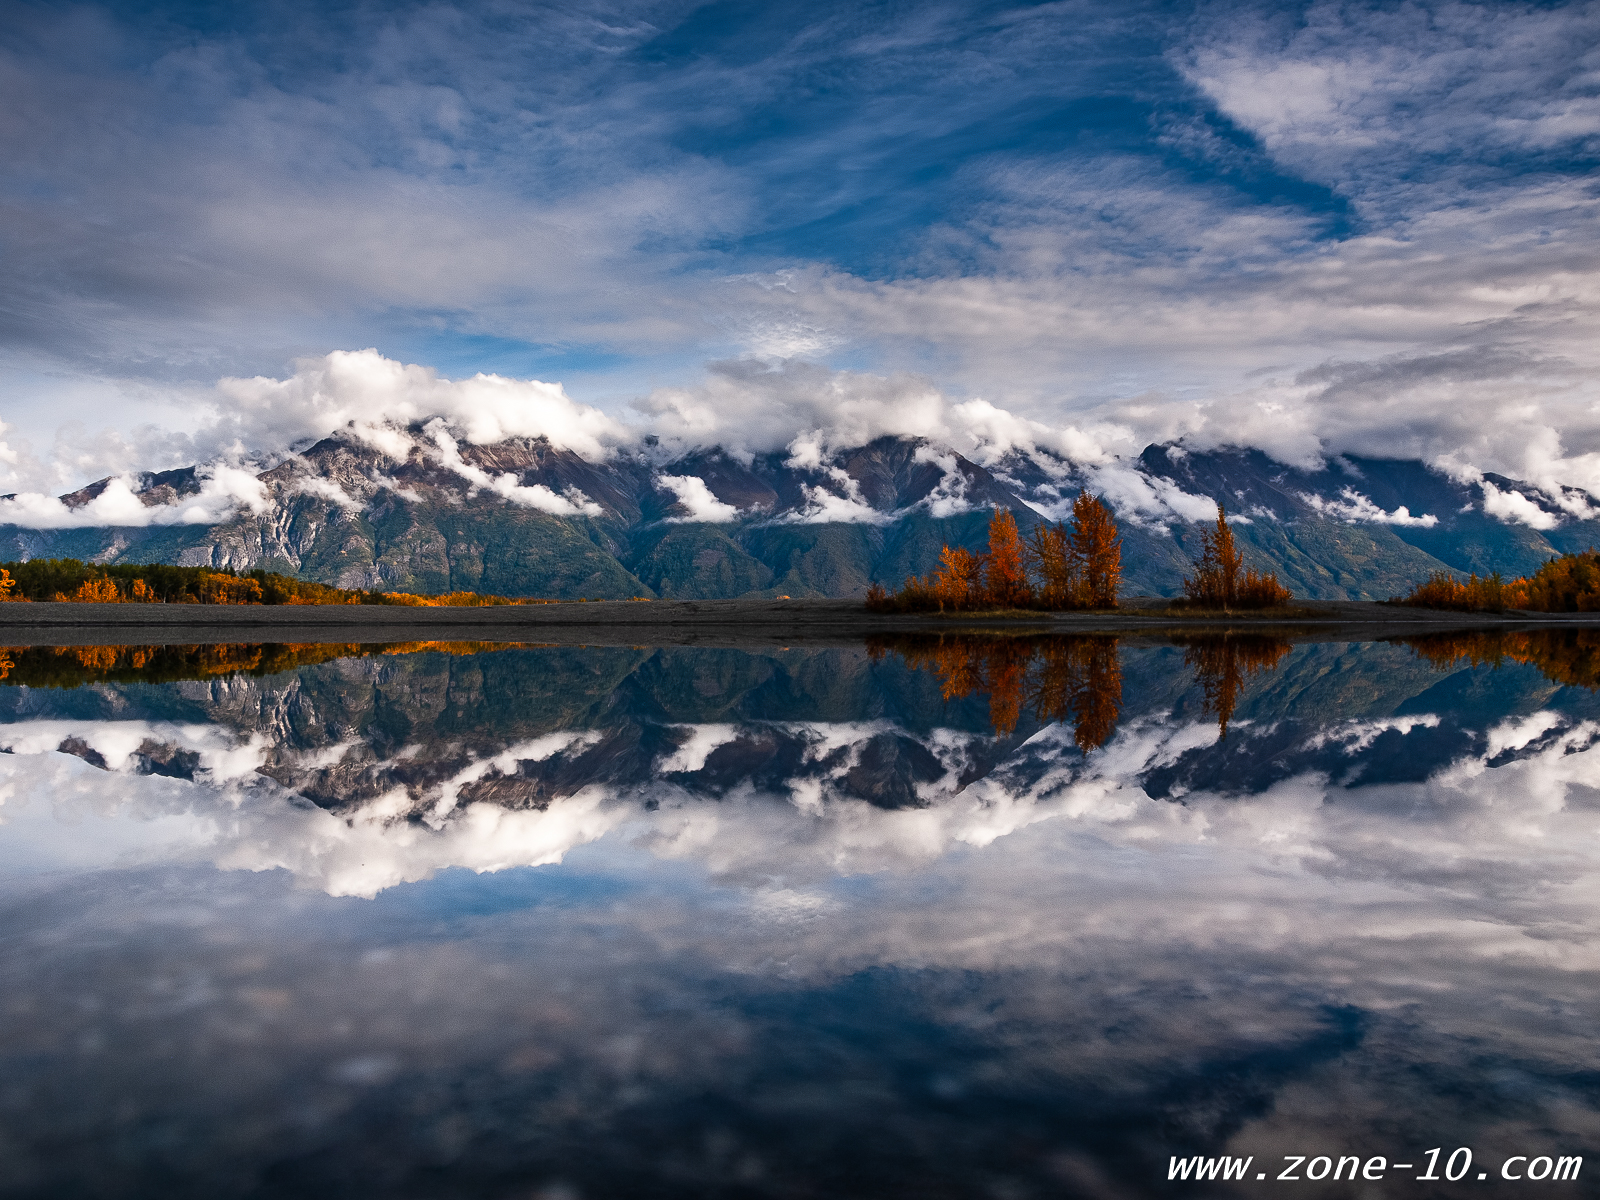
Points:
[700,622]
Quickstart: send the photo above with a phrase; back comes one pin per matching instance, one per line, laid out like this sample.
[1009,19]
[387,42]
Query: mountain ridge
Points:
[416,511]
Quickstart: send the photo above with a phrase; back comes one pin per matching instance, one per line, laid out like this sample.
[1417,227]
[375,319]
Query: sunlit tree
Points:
[1005,576]
[1095,551]
[959,581]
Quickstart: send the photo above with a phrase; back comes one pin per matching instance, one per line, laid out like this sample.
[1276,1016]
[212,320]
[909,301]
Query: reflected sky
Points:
[938,917]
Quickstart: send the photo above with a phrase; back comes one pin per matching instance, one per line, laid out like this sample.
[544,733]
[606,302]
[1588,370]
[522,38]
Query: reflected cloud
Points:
[1365,916]
[810,801]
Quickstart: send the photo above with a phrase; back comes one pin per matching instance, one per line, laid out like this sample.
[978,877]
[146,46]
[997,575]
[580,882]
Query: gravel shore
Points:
[691,622]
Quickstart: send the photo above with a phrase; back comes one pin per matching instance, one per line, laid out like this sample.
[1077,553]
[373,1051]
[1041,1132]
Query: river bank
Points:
[696,622]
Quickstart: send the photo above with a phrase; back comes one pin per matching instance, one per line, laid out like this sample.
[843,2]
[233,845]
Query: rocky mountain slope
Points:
[416,511]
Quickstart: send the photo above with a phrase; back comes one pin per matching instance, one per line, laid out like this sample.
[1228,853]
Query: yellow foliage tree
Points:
[98,591]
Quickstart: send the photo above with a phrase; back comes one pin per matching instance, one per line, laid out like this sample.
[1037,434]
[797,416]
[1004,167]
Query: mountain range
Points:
[521,727]
[413,510]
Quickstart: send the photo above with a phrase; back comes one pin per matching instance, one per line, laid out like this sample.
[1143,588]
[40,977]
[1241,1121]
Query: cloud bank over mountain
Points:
[1312,228]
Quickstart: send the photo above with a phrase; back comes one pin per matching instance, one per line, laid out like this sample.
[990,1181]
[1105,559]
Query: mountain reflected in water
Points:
[931,916]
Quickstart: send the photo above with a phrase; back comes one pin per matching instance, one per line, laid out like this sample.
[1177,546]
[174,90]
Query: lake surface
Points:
[986,917]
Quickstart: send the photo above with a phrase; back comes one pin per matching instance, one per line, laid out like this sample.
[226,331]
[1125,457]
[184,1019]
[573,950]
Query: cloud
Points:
[751,406]
[949,496]
[696,498]
[505,763]
[372,394]
[1395,198]
[1354,509]
[537,496]
[838,501]
[224,493]
[1141,498]
[327,489]
[1484,823]
[1356,735]
[697,746]
[1516,509]
[1336,93]
[1418,907]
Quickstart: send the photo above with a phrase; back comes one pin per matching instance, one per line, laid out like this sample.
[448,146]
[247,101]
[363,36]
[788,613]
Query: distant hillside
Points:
[524,518]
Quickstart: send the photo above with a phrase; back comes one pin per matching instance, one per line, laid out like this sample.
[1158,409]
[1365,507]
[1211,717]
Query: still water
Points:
[986,917]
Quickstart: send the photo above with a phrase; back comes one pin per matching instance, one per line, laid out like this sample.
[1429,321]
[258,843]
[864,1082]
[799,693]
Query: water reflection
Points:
[1570,657]
[1223,664]
[1075,679]
[996,917]
[72,666]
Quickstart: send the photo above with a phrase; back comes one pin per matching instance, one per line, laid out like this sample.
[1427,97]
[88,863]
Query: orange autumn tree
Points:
[959,581]
[965,580]
[1080,567]
[1095,548]
[1005,574]
[1216,581]
[95,591]
[1570,584]
[1216,571]
[1050,557]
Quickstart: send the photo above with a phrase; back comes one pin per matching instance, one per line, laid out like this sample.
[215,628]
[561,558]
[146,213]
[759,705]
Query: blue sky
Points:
[1312,227]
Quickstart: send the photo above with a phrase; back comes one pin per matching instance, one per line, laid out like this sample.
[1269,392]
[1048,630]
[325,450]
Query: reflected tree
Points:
[1570,657]
[74,666]
[1058,679]
[1224,663]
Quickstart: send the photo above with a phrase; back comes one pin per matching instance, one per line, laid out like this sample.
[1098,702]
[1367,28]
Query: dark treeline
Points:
[44,579]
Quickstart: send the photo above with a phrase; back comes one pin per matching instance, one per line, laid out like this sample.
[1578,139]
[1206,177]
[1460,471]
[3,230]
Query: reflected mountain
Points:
[362,766]
[992,916]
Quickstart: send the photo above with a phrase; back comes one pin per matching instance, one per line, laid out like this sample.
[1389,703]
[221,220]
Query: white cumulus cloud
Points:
[1355,509]
[1516,509]
[699,503]
[224,492]
[363,389]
